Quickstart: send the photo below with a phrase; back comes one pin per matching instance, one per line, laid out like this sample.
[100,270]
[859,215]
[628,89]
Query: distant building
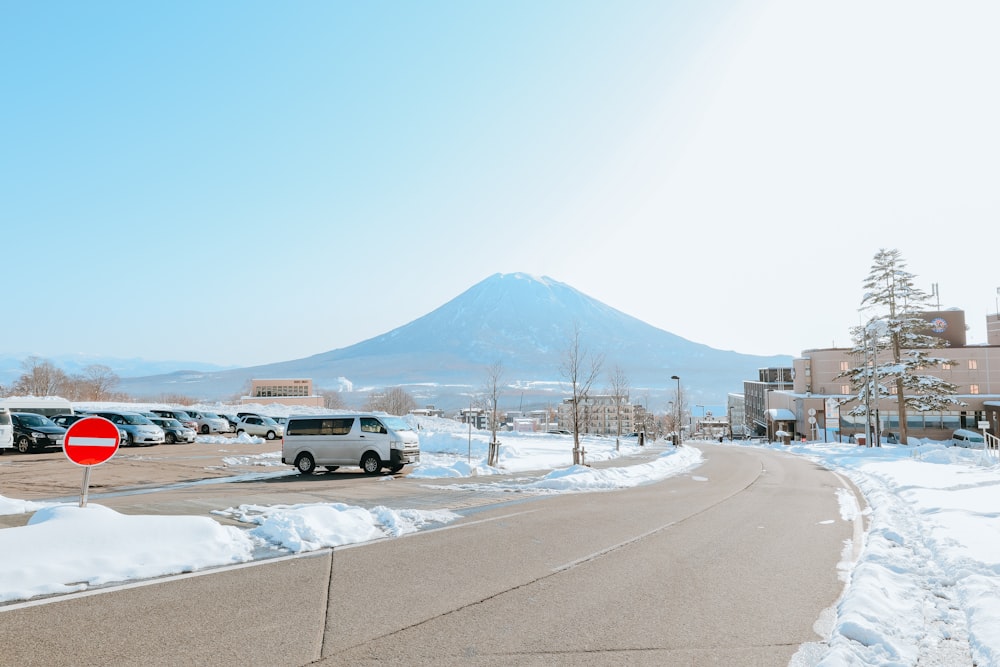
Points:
[295,391]
[599,414]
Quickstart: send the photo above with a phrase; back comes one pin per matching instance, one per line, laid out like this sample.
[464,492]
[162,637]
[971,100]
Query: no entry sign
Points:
[90,441]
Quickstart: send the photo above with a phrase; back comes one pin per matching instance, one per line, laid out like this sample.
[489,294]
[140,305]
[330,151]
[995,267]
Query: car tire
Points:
[271,435]
[129,440]
[169,438]
[239,432]
[204,429]
[305,463]
[24,444]
[371,463]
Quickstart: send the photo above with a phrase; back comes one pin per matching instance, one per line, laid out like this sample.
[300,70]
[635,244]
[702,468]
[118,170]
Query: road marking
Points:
[598,554]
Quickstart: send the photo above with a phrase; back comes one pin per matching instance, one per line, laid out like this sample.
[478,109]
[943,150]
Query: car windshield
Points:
[210,415]
[31,419]
[395,423]
[136,419]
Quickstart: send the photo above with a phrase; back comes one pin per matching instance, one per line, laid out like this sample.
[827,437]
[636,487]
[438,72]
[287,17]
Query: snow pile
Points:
[66,548]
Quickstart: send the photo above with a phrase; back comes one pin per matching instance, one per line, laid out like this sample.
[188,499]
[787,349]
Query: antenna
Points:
[937,294]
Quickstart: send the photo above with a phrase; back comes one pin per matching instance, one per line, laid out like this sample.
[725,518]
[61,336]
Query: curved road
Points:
[732,563]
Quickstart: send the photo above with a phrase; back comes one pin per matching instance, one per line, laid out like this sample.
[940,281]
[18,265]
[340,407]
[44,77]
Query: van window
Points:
[4,418]
[396,424]
[317,426]
[371,425]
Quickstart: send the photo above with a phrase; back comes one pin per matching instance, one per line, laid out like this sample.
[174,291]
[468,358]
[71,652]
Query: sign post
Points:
[90,442]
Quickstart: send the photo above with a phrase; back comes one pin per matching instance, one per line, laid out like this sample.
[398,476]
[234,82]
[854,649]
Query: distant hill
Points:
[523,321]
[11,370]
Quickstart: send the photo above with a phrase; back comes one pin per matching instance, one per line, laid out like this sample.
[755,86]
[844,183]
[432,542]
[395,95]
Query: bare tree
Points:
[619,389]
[580,369]
[98,382]
[333,400]
[491,395]
[394,401]
[41,378]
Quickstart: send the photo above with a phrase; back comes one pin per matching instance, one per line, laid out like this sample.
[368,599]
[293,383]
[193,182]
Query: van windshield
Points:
[395,423]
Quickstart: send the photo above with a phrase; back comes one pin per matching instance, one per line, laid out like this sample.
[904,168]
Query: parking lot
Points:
[49,475]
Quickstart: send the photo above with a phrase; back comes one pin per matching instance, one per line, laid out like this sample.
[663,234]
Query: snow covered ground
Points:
[924,590]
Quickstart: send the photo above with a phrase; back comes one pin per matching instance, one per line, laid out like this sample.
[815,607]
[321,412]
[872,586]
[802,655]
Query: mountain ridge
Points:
[523,321]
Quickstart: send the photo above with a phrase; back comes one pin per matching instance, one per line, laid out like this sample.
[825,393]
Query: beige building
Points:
[599,415]
[817,403]
[285,391]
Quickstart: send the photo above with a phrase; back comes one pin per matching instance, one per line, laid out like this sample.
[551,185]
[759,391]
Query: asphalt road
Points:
[731,564]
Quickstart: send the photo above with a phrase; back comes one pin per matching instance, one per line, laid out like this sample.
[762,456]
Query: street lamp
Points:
[677,424]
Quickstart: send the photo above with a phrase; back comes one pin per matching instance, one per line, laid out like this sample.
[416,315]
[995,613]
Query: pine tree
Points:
[892,345]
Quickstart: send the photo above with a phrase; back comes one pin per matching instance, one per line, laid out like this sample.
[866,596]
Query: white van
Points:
[966,438]
[371,441]
[6,430]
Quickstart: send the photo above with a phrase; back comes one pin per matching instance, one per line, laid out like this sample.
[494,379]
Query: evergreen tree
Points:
[892,345]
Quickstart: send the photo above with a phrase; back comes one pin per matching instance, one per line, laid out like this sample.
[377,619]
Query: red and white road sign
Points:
[90,441]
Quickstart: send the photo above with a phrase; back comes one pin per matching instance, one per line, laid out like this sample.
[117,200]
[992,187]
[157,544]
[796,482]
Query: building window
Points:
[843,366]
[973,388]
[946,367]
[973,364]
[845,389]
[892,389]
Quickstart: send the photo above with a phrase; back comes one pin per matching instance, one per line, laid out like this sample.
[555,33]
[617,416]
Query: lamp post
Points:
[677,424]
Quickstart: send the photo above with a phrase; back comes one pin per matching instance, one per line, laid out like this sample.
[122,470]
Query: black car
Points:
[34,432]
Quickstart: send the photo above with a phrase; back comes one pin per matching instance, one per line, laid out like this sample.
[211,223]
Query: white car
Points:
[264,427]
[209,422]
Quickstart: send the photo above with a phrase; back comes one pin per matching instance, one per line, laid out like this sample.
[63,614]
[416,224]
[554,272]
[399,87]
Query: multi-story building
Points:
[817,403]
[294,391]
[600,414]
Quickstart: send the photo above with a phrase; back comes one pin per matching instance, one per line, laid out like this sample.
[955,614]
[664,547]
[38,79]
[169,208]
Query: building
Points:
[599,415]
[285,391]
[813,400]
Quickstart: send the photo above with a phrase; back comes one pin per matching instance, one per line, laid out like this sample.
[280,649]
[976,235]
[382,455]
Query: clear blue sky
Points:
[246,182]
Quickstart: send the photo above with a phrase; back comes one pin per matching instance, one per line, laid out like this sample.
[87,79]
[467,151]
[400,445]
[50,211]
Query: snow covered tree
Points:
[892,345]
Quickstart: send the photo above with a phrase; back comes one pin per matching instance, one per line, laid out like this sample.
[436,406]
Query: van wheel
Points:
[270,435]
[397,468]
[305,464]
[371,463]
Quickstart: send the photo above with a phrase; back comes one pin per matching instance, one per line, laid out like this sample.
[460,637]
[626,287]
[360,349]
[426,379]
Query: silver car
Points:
[139,430]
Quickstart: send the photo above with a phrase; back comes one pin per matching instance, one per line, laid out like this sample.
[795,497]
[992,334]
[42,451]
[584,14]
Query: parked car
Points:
[34,432]
[67,420]
[209,422]
[173,430]
[966,438]
[232,419]
[180,415]
[139,430]
[6,430]
[264,427]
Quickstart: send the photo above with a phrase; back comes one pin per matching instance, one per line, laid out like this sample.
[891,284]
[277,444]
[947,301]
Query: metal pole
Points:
[86,483]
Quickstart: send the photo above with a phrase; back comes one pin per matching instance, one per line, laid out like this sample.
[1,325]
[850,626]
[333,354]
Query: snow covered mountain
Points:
[524,322]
